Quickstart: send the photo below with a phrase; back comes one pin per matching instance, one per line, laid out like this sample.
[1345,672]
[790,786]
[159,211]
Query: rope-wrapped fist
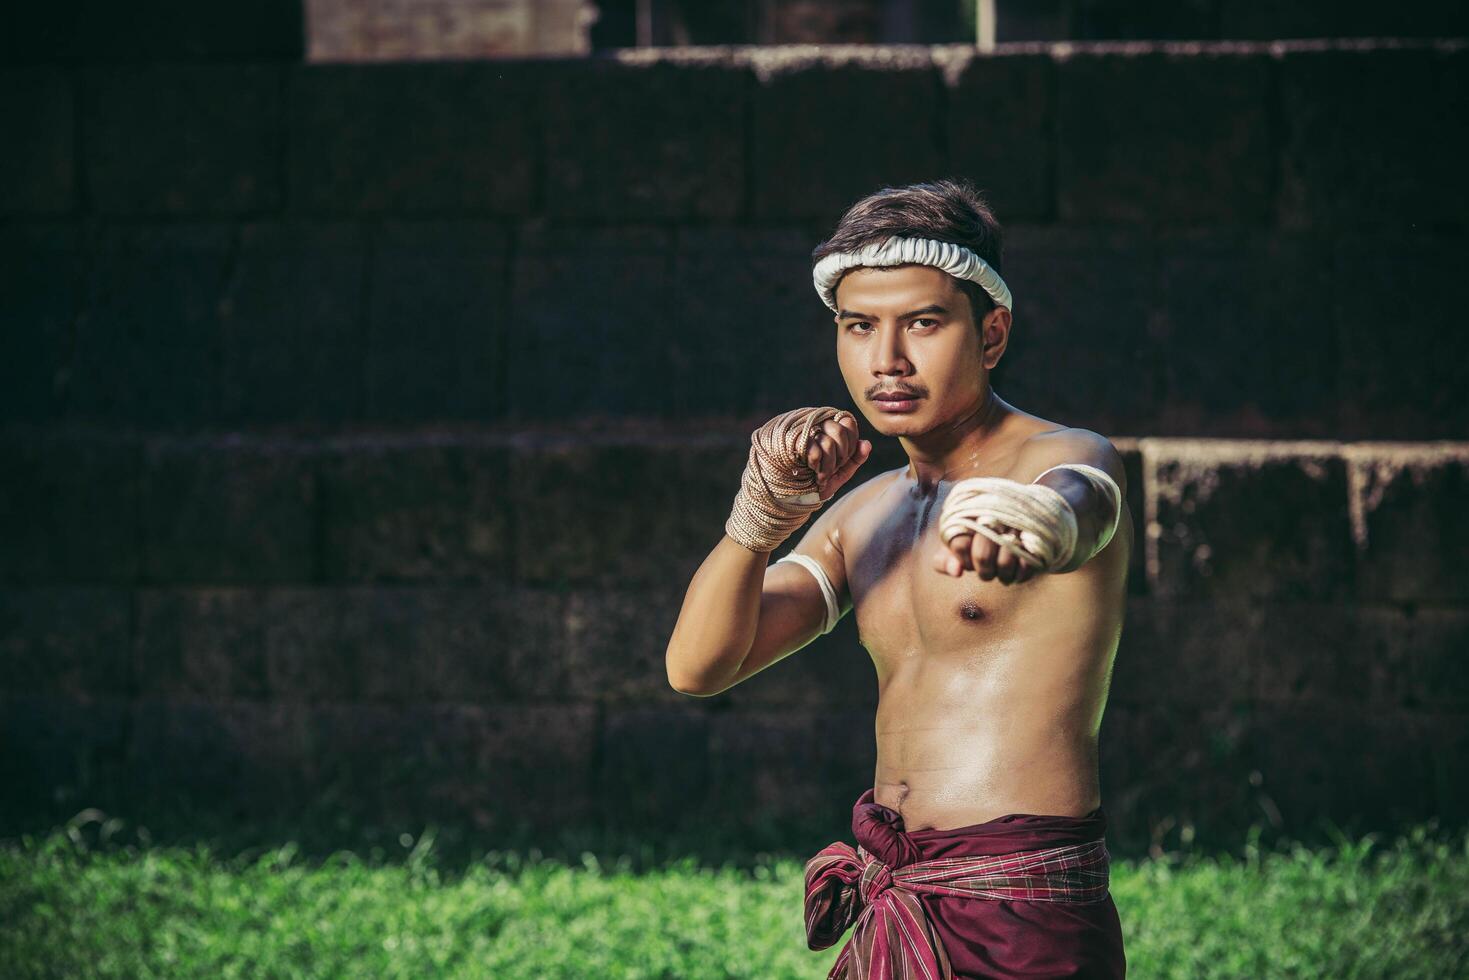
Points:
[1033,527]
[798,460]
[1031,520]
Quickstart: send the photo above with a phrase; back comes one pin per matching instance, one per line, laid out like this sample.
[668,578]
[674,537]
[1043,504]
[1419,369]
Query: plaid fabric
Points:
[892,938]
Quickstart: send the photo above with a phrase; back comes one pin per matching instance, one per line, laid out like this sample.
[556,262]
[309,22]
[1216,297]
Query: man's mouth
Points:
[896,401]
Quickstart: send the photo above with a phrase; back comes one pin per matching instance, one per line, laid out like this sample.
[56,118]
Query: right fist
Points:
[834,453]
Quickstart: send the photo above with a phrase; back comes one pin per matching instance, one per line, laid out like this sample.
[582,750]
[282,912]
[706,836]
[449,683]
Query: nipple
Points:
[970,610]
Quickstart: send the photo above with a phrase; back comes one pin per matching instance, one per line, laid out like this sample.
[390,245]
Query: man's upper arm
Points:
[792,606]
[822,542]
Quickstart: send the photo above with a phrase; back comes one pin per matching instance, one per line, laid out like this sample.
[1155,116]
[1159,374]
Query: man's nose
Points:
[889,356]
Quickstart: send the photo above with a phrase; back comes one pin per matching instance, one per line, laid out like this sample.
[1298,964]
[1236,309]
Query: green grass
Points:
[76,902]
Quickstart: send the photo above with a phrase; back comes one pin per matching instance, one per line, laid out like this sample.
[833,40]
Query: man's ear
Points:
[994,336]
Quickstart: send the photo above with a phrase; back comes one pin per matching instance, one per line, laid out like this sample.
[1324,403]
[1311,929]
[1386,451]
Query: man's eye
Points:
[928,320]
[854,326]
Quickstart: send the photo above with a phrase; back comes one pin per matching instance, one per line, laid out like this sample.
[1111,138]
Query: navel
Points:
[970,610]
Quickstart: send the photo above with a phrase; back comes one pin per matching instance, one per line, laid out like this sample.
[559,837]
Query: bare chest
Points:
[907,611]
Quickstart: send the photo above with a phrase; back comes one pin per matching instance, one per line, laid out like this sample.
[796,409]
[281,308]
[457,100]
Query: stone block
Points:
[621,515]
[201,644]
[161,30]
[42,270]
[1409,520]
[61,755]
[501,768]
[292,319]
[810,156]
[182,139]
[1361,772]
[593,319]
[229,512]
[436,323]
[1082,350]
[148,348]
[644,139]
[420,510]
[414,138]
[1435,644]
[742,295]
[415,644]
[1188,653]
[1247,519]
[67,642]
[774,766]
[1244,319]
[1170,770]
[654,771]
[1200,155]
[69,504]
[616,641]
[1412,386]
[38,116]
[1448,740]
[1270,19]
[239,760]
[1333,655]
[1414,103]
[999,125]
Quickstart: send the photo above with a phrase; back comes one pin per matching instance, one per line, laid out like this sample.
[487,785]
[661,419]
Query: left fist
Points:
[1009,563]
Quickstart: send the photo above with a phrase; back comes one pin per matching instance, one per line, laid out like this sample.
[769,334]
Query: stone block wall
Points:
[361,427]
[472,625]
[243,245]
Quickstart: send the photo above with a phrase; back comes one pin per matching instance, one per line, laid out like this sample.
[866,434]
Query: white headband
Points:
[956,260]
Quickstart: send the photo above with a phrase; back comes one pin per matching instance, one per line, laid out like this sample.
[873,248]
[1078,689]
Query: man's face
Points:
[910,329]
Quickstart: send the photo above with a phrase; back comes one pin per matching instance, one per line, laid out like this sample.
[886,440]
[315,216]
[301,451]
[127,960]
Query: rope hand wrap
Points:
[1031,519]
[778,490]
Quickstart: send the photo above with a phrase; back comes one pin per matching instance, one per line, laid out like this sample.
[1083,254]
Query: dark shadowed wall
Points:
[362,426]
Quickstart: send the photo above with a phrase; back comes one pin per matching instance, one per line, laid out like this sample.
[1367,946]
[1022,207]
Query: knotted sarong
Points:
[1022,895]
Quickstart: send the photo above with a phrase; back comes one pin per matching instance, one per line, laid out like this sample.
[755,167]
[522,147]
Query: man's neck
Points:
[956,445]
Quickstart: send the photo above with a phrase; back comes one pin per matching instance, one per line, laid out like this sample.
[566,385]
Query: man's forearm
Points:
[717,623]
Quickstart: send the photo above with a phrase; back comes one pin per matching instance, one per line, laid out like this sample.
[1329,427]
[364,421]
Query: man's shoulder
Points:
[1064,438]
[1061,444]
[871,487]
[858,495]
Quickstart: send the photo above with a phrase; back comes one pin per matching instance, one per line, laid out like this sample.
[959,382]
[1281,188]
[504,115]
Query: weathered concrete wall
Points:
[361,427]
[1270,251]
[434,625]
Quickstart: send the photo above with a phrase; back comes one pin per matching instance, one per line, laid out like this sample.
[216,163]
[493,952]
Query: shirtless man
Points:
[992,669]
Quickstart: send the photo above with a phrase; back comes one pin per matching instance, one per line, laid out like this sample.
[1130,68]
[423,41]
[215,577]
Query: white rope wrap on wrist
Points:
[828,591]
[1031,519]
[956,260]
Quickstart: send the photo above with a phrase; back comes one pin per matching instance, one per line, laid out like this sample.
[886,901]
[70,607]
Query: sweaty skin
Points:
[990,696]
[991,682]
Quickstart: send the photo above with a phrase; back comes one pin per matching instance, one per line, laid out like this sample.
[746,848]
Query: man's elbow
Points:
[685,686]
[694,685]
[695,690]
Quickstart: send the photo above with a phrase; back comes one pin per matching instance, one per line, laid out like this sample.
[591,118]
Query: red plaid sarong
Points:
[892,935]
